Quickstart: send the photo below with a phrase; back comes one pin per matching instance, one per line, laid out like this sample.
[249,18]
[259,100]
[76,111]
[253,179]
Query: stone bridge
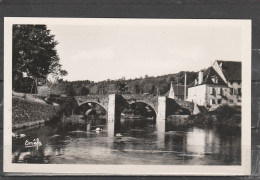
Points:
[115,103]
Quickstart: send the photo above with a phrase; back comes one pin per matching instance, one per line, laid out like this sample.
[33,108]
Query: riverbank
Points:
[225,116]
[27,112]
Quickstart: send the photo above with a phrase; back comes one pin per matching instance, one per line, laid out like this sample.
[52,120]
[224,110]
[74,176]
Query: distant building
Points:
[176,92]
[218,84]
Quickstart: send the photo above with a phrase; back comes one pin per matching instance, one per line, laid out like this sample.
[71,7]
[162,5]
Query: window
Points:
[235,91]
[212,101]
[239,91]
[211,90]
[214,79]
[219,101]
[219,91]
[231,91]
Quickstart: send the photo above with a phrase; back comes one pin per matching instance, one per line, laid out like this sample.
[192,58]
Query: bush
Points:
[229,116]
[178,123]
[225,112]
[235,120]
[225,116]
[203,119]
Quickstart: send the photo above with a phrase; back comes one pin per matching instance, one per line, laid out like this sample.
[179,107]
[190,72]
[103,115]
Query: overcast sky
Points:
[100,52]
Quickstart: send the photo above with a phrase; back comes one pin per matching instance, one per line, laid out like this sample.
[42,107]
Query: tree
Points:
[137,88]
[146,76]
[69,90]
[83,91]
[170,79]
[120,87]
[102,88]
[153,89]
[34,52]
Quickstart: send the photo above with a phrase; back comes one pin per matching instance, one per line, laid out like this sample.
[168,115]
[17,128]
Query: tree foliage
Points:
[83,91]
[120,86]
[69,90]
[153,85]
[34,52]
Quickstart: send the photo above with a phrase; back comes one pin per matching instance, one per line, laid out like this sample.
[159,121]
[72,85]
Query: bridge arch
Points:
[94,102]
[148,104]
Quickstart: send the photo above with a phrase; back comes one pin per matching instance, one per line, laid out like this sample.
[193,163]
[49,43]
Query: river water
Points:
[141,143]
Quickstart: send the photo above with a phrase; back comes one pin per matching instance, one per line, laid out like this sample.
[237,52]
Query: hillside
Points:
[151,85]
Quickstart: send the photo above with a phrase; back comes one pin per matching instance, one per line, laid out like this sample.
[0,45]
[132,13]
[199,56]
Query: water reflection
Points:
[143,142]
[197,141]
[160,128]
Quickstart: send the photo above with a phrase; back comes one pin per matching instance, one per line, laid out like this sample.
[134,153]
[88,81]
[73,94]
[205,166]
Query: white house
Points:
[218,84]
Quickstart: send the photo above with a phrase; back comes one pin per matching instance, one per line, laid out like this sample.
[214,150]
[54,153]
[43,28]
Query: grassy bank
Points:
[30,112]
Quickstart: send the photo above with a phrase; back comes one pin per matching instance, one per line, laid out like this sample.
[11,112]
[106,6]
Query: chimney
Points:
[200,78]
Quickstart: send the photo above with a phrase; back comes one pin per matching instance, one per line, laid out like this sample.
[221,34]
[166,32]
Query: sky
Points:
[101,52]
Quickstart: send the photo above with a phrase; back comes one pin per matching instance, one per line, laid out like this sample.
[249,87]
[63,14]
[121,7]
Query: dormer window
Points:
[214,79]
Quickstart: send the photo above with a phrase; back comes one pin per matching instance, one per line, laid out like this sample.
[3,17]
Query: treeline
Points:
[152,85]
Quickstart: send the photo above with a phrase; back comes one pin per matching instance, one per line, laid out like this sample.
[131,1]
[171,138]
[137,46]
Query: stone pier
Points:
[111,110]
[161,114]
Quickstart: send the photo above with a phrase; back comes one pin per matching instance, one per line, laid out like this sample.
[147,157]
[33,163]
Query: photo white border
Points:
[86,169]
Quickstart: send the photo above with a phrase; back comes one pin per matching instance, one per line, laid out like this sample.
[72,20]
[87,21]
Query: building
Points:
[176,92]
[218,84]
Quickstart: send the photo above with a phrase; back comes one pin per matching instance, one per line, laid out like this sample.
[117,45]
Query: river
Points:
[141,143]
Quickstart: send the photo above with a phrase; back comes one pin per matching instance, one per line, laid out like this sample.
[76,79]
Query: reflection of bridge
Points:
[115,103]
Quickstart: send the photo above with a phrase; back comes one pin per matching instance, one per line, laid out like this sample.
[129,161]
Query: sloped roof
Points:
[178,90]
[207,74]
[231,70]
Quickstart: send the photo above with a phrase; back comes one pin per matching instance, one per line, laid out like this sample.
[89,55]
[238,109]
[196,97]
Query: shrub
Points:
[228,116]
[235,120]
[203,119]
[225,112]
